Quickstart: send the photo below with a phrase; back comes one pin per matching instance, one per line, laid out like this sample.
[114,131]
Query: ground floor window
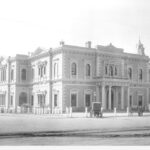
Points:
[2,99]
[73,99]
[87,100]
[130,101]
[32,100]
[140,101]
[11,100]
[55,100]
[41,100]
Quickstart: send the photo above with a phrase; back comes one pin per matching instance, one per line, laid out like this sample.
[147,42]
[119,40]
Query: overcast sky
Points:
[28,24]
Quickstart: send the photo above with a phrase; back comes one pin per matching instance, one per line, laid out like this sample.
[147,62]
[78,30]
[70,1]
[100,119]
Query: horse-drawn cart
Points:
[96,110]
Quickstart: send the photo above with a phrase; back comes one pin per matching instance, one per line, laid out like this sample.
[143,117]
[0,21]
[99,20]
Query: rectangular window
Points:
[11,100]
[32,73]
[55,100]
[32,100]
[39,71]
[44,70]
[149,75]
[12,75]
[41,100]
[87,100]
[130,101]
[2,99]
[140,101]
[73,100]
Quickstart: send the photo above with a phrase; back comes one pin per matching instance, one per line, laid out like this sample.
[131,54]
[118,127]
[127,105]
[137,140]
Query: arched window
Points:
[44,70]
[140,74]
[23,74]
[149,75]
[55,70]
[88,70]
[74,69]
[130,73]
[12,75]
[32,73]
[111,71]
[106,69]
[116,71]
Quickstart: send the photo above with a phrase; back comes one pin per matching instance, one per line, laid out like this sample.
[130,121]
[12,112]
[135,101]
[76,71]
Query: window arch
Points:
[140,74]
[130,73]
[23,74]
[88,70]
[74,69]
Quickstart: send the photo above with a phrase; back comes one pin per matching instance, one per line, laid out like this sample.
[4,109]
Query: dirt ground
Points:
[27,129]
[21,123]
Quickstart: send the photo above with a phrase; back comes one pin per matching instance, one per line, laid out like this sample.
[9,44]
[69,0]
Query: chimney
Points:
[88,44]
[62,43]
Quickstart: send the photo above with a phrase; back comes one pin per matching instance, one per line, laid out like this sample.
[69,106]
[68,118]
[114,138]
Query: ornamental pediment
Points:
[109,49]
[40,63]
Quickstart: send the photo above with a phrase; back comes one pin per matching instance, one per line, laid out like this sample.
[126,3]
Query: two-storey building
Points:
[73,76]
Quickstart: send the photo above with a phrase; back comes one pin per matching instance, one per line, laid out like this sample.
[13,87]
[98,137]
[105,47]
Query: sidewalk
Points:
[76,115]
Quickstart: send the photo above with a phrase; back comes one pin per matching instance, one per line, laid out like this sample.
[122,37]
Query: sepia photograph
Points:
[74,73]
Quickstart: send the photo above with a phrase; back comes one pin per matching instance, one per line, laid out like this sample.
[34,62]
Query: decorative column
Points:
[110,97]
[122,72]
[103,97]
[128,96]
[147,99]
[7,97]
[122,97]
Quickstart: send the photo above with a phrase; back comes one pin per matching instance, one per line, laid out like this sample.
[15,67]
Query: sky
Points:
[26,25]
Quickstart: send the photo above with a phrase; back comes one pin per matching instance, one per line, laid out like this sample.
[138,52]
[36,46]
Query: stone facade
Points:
[73,76]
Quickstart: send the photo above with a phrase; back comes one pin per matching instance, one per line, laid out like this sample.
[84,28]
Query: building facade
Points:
[73,76]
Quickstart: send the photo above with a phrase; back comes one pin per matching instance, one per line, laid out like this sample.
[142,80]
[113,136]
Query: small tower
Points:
[140,48]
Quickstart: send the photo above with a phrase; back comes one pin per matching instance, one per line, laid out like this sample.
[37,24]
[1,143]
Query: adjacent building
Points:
[73,76]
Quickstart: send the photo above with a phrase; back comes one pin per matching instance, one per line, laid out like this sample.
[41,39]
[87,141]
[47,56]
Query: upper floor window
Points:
[74,69]
[116,72]
[44,69]
[88,70]
[12,75]
[32,73]
[23,74]
[55,70]
[3,74]
[106,69]
[111,70]
[130,73]
[149,75]
[140,74]
[41,70]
